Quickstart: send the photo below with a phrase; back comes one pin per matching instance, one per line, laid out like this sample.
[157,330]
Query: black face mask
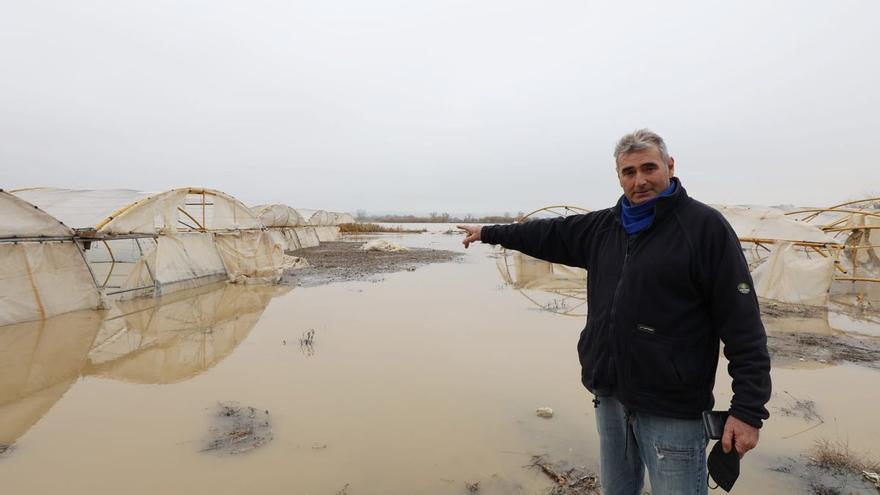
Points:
[723,468]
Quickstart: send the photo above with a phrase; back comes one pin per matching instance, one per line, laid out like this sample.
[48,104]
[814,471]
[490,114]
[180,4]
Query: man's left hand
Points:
[740,435]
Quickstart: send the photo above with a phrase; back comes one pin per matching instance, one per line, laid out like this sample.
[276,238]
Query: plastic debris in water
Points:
[544,412]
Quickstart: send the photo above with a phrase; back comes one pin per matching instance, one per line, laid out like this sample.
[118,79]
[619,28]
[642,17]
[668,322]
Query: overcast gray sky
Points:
[459,106]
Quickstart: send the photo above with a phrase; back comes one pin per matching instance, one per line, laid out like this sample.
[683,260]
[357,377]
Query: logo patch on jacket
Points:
[743,288]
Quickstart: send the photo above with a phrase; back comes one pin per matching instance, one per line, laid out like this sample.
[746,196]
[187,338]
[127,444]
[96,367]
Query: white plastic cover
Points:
[80,209]
[279,238]
[187,256]
[307,237]
[771,225]
[790,277]
[177,262]
[278,215]
[531,273]
[43,279]
[383,245]
[315,217]
[292,240]
[156,214]
[18,218]
[250,256]
[227,213]
[341,218]
[305,213]
[327,233]
[124,211]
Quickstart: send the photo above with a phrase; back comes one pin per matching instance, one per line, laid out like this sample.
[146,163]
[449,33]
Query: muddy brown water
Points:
[418,383]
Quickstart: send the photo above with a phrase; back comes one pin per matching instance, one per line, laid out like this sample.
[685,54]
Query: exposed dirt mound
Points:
[344,261]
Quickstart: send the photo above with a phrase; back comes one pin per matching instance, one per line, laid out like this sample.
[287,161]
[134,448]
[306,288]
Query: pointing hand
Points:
[473,234]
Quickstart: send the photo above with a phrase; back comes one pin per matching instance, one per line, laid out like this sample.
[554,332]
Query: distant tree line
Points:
[436,217]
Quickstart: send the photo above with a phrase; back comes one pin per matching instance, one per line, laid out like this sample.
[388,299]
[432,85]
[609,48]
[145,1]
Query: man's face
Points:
[643,174]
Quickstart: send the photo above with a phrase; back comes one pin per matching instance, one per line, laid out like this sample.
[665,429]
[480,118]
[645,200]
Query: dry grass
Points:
[837,455]
[366,228]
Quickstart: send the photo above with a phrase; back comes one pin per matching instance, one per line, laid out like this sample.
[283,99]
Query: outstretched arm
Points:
[557,240]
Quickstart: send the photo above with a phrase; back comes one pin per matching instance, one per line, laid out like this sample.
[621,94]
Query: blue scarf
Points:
[639,217]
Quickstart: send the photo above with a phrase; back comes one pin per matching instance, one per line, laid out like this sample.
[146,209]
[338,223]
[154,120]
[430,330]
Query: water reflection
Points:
[551,287]
[178,337]
[39,362]
[145,340]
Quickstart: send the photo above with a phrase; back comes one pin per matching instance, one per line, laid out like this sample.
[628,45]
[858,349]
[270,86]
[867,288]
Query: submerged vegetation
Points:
[837,455]
[832,467]
[238,429]
[572,481]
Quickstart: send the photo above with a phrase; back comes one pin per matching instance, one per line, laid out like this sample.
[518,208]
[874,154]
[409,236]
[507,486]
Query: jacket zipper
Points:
[611,333]
[619,282]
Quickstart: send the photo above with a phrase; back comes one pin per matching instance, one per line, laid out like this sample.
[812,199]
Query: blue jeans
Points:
[673,451]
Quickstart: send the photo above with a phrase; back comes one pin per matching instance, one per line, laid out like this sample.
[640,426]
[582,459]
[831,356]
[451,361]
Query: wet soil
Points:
[817,477]
[791,347]
[804,338]
[344,261]
[775,309]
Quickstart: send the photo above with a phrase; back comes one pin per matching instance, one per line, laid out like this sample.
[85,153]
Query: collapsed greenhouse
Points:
[286,226]
[324,223]
[801,256]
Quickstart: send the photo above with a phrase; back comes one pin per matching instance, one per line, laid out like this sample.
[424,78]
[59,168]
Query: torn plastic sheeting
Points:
[250,257]
[384,246]
[789,277]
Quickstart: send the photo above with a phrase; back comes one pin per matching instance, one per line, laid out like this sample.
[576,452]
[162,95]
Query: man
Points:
[666,281]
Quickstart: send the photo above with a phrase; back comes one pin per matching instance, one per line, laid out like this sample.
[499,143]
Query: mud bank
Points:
[802,334]
[345,261]
[791,347]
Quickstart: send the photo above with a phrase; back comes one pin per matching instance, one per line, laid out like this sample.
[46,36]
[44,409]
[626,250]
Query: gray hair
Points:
[640,140]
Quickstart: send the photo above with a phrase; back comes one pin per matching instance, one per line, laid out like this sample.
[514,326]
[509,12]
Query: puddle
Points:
[424,383]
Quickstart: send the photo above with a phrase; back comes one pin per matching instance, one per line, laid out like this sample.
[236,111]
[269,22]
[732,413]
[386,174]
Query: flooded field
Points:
[422,381]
